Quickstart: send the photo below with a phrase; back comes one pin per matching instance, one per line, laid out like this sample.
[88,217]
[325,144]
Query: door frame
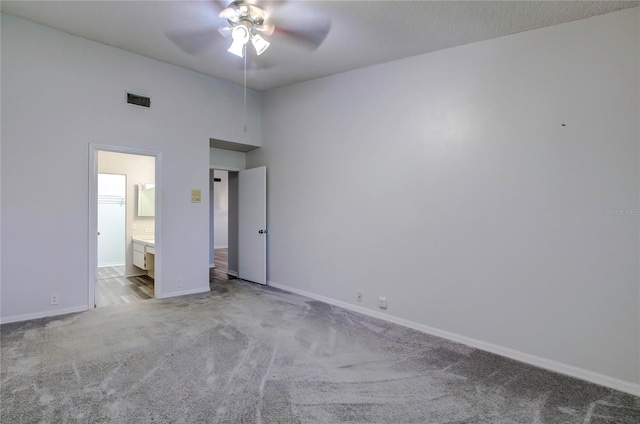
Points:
[212,220]
[230,231]
[92,242]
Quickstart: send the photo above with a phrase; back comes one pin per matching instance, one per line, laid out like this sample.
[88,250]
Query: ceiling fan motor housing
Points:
[240,12]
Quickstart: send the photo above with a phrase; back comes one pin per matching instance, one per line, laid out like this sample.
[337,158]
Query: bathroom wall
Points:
[138,169]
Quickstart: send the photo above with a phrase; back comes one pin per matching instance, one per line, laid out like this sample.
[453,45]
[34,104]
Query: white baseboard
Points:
[211,266]
[184,292]
[46,314]
[559,367]
[220,247]
[232,273]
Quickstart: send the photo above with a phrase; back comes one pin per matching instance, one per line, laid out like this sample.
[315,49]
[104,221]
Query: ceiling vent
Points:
[138,100]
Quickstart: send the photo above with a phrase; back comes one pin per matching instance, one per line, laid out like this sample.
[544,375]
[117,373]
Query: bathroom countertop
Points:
[147,242]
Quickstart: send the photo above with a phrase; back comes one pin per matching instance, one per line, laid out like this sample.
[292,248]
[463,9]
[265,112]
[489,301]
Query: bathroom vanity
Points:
[144,251]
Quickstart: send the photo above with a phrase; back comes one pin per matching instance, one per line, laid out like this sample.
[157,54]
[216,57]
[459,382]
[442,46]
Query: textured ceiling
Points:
[363,33]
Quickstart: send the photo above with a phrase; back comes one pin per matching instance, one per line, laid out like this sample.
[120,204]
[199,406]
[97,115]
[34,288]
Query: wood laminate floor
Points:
[122,290]
[219,273]
[110,271]
[113,288]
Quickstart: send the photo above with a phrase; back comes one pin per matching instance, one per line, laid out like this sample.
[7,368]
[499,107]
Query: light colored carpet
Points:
[250,354]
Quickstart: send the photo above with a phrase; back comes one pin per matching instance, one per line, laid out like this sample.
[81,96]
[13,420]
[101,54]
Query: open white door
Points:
[252,223]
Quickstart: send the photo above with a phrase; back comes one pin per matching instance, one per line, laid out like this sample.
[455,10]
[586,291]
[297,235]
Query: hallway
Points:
[218,274]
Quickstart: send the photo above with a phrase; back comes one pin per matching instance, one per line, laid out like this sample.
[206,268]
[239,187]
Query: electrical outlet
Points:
[179,283]
[382,302]
[359,297]
[53,299]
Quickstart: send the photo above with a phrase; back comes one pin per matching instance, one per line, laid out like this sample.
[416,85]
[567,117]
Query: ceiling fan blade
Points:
[225,31]
[228,13]
[267,29]
[193,42]
[220,5]
[310,35]
[270,5]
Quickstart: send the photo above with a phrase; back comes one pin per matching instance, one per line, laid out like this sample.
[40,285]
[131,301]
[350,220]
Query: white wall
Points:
[138,169]
[59,94]
[448,183]
[229,160]
[1,313]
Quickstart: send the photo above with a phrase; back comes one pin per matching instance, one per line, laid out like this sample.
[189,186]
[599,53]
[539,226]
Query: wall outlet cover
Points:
[382,302]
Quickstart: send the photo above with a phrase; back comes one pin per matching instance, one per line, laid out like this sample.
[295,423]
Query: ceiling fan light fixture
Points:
[236,49]
[241,35]
[260,44]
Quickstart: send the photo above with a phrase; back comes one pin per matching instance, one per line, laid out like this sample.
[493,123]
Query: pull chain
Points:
[244,100]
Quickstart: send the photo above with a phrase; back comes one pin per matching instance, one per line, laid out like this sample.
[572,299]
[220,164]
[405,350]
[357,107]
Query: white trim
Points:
[47,314]
[93,215]
[211,266]
[232,273]
[220,247]
[92,248]
[226,168]
[559,367]
[185,292]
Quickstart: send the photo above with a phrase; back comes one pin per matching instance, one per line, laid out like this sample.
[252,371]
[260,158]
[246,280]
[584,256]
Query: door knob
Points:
[262,231]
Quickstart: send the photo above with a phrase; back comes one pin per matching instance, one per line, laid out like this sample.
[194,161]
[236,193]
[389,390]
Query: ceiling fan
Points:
[258,23]
[247,22]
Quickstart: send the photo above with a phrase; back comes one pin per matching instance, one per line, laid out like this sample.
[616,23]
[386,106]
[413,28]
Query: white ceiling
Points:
[363,33]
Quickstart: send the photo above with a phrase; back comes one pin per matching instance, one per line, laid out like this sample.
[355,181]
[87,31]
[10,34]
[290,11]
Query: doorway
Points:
[222,226]
[116,221]
[246,226]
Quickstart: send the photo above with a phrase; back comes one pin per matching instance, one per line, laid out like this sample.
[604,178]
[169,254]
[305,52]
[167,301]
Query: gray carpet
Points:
[250,354]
